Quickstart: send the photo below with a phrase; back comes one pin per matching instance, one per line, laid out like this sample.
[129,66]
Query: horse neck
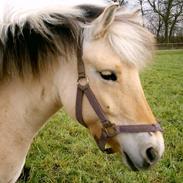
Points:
[26,105]
[24,108]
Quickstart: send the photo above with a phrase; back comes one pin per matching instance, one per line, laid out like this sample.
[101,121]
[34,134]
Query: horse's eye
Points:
[108,75]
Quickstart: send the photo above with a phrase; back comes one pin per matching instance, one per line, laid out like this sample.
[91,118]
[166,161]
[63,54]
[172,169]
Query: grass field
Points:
[64,151]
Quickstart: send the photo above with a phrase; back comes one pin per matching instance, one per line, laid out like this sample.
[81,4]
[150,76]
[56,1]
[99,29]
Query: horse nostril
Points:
[151,154]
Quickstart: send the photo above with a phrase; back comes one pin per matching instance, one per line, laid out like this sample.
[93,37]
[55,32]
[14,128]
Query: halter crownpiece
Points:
[109,129]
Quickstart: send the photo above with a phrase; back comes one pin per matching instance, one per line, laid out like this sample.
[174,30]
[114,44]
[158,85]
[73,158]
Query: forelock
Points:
[130,40]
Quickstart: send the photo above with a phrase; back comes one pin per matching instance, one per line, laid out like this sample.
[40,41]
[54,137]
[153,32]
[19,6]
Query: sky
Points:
[132,3]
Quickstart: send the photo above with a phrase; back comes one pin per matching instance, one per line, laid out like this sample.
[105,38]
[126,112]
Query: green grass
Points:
[65,152]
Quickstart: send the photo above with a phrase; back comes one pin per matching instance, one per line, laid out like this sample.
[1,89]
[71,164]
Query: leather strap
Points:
[79,104]
[139,128]
[92,100]
[105,134]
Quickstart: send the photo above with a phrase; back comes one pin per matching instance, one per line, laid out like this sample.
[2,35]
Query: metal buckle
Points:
[110,129]
[83,81]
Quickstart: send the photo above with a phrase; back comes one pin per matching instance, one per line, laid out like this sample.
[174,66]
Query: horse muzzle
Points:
[141,151]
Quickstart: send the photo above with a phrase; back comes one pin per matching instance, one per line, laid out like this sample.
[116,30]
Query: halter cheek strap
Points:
[109,129]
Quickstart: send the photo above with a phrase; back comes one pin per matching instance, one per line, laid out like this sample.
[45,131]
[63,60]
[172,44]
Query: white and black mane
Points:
[29,46]
[31,42]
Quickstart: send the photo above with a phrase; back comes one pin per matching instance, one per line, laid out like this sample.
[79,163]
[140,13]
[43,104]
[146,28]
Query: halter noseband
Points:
[109,129]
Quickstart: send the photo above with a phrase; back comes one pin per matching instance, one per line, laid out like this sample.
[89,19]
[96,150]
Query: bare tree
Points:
[121,2]
[141,6]
[164,16]
[155,25]
[170,13]
[152,20]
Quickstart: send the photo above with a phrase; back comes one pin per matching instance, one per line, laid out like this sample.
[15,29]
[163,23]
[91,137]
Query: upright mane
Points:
[131,41]
[31,40]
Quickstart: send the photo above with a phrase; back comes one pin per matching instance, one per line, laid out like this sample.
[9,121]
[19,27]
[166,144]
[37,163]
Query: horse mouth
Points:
[130,162]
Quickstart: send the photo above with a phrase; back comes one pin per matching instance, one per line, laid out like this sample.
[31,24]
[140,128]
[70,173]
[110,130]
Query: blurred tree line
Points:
[164,18]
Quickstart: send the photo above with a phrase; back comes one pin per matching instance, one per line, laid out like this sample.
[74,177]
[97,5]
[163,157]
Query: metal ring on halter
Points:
[110,129]
[83,81]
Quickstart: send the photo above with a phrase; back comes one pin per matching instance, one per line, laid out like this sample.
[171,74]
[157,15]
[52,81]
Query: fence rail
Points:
[168,46]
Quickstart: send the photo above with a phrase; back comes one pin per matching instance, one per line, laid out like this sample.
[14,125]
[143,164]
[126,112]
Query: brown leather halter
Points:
[109,129]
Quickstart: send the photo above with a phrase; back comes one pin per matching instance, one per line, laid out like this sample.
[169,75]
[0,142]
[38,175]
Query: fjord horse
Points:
[39,54]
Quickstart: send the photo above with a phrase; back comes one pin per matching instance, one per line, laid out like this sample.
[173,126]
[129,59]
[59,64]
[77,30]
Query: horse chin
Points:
[127,160]
[133,165]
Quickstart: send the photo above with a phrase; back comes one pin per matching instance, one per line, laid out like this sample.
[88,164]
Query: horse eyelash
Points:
[110,77]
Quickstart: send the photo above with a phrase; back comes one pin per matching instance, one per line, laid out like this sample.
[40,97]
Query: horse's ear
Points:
[137,16]
[103,22]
